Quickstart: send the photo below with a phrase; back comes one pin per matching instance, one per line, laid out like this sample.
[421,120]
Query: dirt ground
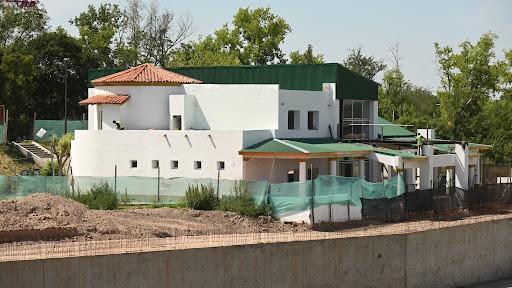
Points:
[41,216]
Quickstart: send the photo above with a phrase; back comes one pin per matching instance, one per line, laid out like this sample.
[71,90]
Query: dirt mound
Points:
[43,216]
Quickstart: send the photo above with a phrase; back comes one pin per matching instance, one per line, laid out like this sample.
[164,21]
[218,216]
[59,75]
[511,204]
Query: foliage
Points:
[48,170]
[100,197]
[307,57]
[240,201]
[364,65]
[97,28]
[201,197]
[205,52]
[468,79]
[19,26]
[62,149]
[255,37]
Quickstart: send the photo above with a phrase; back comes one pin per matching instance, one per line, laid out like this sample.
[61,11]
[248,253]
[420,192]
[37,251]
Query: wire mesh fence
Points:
[16,251]
[56,127]
[3,134]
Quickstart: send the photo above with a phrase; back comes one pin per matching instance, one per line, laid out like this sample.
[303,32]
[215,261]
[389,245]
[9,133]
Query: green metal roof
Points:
[308,77]
[321,145]
[296,146]
[389,129]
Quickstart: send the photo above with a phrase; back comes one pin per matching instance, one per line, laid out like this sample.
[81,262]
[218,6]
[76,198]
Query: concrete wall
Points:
[448,257]
[95,153]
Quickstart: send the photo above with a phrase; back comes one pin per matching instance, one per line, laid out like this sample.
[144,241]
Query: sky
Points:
[335,26]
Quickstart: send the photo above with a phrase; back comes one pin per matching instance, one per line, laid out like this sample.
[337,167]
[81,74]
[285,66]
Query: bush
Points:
[101,197]
[201,198]
[240,201]
[47,169]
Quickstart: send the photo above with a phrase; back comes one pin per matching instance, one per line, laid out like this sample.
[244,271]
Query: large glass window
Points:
[356,119]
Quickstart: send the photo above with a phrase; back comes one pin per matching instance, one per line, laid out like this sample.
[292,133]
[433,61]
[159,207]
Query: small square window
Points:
[174,164]
[133,163]
[155,164]
[197,165]
[220,165]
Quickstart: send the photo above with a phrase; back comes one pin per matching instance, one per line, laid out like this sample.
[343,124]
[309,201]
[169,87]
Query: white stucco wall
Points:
[95,153]
[234,107]
[260,169]
[305,101]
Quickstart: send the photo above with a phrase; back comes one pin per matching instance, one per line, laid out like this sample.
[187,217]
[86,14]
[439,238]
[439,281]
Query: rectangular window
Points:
[197,165]
[155,164]
[312,120]
[133,163]
[347,109]
[293,120]
[220,165]
[174,164]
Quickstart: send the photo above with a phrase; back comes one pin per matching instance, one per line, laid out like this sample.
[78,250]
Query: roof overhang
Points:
[105,99]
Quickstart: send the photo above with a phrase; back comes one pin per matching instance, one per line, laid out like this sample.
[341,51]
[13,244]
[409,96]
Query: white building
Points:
[279,123]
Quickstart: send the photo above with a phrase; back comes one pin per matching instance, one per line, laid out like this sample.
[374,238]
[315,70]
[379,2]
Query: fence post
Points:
[34,126]
[218,182]
[158,188]
[312,202]
[115,178]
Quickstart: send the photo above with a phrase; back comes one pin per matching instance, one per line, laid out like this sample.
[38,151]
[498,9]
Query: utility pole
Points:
[66,95]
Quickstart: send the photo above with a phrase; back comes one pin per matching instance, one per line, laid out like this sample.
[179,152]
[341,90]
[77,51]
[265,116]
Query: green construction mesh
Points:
[285,198]
[57,127]
[2,134]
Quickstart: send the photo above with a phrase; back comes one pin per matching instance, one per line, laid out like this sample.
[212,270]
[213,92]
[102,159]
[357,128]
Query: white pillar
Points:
[361,169]
[426,174]
[471,177]
[461,166]
[410,175]
[333,165]
[477,172]
[449,176]
[302,171]
[245,168]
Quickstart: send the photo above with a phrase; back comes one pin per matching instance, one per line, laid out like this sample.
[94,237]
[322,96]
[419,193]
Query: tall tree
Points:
[18,26]
[468,78]
[97,28]
[256,36]
[150,33]
[308,57]
[50,51]
[205,52]
[364,65]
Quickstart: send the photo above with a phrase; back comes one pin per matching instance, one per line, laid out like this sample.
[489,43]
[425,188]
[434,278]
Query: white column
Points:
[471,176]
[461,166]
[425,169]
[477,172]
[245,168]
[302,171]
[449,176]
[361,169]
[410,175]
[333,165]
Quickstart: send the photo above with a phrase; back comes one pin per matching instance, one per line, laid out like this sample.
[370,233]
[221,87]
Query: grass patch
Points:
[12,162]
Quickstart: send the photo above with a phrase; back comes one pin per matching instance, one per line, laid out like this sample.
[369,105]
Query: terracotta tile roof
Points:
[105,99]
[144,74]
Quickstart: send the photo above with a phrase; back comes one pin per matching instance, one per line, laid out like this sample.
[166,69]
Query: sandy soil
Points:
[42,216]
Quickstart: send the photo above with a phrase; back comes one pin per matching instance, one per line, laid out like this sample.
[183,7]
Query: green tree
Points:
[97,28]
[364,65]
[468,78]
[205,52]
[308,57]
[62,150]
[50,51]
[16,91]
[19,26]
[256,36]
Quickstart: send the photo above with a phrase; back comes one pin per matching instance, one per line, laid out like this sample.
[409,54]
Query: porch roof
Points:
[317,147]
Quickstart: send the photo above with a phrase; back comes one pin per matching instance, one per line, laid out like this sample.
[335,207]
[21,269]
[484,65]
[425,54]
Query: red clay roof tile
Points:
[105,99]
[144,74]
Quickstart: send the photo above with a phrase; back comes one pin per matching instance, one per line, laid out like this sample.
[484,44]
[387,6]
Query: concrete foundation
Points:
[448,257]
